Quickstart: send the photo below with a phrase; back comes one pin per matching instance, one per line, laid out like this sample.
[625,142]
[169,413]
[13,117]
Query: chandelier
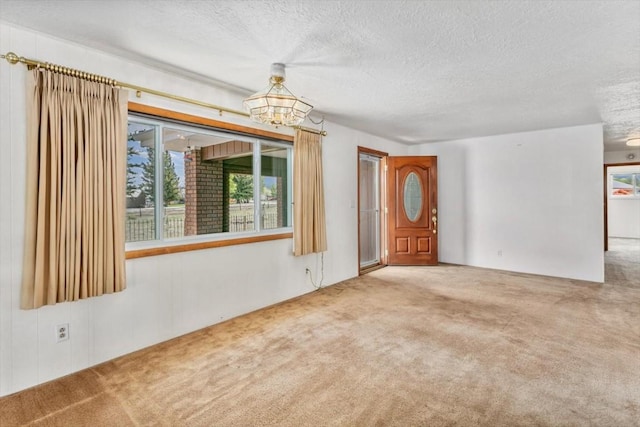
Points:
[275,105]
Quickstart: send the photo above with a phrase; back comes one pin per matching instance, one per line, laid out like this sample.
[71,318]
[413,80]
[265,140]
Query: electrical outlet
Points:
[62,332]
[500,252]
[307,271]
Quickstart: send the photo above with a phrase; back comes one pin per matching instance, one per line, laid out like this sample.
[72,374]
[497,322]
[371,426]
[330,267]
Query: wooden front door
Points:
[412,210]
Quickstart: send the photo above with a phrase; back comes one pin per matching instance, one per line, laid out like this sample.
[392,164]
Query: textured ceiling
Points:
[410,71]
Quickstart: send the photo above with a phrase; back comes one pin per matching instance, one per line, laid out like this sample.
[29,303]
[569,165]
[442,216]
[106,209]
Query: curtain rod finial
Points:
[11,58]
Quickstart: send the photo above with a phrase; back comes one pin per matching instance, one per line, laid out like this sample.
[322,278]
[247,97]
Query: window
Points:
[625,185]
[185,180]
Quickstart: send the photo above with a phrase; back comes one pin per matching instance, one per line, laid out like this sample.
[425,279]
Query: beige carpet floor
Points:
[405,346]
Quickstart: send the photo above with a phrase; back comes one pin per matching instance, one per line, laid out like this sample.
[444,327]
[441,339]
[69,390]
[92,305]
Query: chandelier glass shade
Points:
[275,105]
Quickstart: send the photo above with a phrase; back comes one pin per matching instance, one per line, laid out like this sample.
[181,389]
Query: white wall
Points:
[612,157]
[623,214]
[528,202]
[167,295]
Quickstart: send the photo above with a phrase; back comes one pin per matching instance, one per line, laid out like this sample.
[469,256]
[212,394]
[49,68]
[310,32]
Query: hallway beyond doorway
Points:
[622,262]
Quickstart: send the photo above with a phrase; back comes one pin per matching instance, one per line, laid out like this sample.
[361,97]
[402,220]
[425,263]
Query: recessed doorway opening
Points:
[622,228]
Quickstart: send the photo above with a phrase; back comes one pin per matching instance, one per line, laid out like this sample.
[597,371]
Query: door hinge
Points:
[386,168]
[386,252]
[386,211]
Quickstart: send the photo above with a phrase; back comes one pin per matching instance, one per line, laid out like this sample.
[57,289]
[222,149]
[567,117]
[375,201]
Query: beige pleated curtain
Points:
[309,225]
[76,167]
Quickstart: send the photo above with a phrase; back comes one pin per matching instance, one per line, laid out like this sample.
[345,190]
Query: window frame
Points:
[258,137]
[635,184]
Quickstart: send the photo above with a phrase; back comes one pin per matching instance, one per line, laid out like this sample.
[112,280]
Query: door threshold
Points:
[370,268]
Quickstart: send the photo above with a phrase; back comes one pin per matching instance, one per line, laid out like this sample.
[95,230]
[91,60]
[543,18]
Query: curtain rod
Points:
[311,130]
[13,59]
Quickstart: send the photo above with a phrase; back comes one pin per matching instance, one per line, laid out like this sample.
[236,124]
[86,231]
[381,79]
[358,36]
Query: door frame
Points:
[606,197]
[383,202]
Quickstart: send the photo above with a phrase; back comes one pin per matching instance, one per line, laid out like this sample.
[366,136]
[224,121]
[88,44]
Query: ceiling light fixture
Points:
[275,105]
[633,142]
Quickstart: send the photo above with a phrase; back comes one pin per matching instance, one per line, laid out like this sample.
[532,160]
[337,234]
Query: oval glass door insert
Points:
[412,196]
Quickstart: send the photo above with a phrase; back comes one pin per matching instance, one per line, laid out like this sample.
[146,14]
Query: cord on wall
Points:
[313,282]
